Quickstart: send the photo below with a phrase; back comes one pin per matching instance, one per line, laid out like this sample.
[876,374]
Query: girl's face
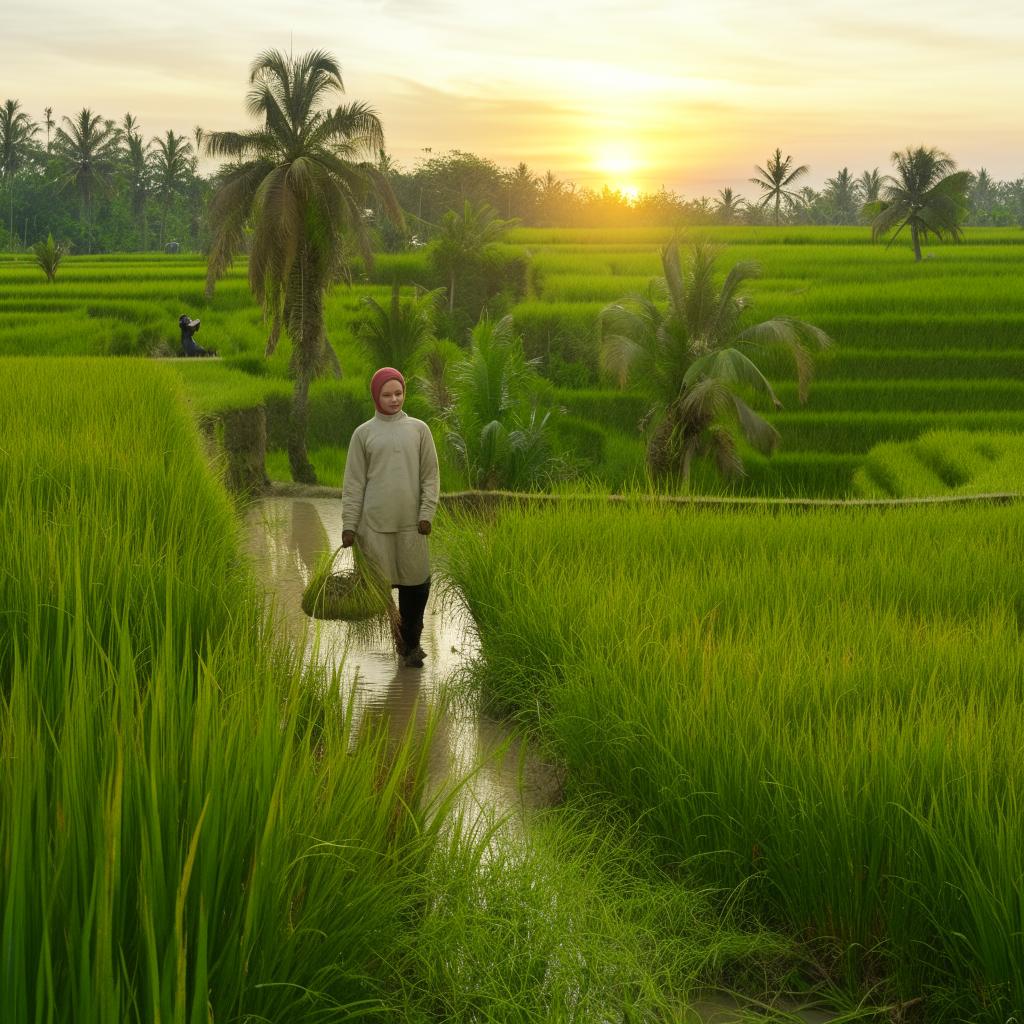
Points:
[392,395]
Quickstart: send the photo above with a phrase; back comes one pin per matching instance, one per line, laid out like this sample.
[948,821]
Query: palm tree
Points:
[493,426]
[301,182]
[462,239]
[135,162]
[49,122]
[691,355]
[16,134]
[927,194]
[728,206]
[395,334]
[173,165]
[869,185]
[841,194]
[774,181]
[87,148]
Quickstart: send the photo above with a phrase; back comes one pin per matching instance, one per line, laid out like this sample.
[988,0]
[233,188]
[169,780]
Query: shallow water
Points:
[285,538]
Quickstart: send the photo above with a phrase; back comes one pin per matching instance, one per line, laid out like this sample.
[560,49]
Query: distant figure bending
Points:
[188,344]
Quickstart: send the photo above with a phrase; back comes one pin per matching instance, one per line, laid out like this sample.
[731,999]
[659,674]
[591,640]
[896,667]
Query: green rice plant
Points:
[355,594]
[188,826]
[824,706]
[945,462]
[851,432]
[936,364]
[935,396]
[895,470]
[574,922]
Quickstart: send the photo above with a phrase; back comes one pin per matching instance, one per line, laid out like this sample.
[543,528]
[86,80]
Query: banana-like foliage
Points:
[493,426]
[299,183]
[686,346]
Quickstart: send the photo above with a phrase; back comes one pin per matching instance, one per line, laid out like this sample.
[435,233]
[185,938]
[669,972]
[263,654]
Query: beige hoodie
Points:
[391,475]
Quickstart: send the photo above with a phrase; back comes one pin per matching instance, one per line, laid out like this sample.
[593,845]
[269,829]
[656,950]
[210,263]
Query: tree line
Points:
[105,185]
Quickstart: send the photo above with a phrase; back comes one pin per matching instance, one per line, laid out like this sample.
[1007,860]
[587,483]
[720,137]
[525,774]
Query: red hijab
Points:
[380,378]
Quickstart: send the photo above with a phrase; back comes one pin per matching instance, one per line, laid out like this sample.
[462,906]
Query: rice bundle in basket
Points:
[355,594]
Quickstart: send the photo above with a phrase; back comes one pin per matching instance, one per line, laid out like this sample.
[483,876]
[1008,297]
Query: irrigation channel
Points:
[504,776]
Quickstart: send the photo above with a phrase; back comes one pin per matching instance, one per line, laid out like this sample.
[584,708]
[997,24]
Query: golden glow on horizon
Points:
[616,158]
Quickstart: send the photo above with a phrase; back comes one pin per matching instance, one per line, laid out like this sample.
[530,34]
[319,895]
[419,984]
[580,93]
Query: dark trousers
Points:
[411,604]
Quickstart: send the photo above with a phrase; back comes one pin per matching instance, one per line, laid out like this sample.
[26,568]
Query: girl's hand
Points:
[424,527]
[348,538]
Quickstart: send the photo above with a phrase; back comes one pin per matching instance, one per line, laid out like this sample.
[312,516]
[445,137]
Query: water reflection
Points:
[286,538]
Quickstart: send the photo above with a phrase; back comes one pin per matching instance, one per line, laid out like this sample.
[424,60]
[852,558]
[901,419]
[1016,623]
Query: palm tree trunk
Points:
[915,239]
[298,460]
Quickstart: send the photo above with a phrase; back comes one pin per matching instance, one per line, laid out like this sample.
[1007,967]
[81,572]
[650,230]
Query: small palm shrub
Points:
[48,256]
[495,429]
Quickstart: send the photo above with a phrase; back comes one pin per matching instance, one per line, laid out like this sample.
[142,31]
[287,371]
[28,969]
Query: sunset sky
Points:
[688,95]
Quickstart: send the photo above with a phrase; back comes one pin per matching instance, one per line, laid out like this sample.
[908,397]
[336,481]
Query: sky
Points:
[637,94]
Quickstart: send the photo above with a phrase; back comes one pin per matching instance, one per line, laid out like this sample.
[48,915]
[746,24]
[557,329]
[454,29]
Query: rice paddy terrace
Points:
[934,346]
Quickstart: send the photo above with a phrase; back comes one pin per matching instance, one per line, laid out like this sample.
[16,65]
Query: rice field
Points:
[193,827]
[827,708]
[919,347]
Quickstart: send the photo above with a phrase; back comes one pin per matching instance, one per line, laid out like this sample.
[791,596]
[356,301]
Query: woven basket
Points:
[355,595]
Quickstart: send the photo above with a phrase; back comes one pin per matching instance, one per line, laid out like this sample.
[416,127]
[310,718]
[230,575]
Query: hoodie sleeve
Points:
[430,479]
[354,486]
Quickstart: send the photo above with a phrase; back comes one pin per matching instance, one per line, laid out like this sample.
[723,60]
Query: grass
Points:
[188,829]
[826,702]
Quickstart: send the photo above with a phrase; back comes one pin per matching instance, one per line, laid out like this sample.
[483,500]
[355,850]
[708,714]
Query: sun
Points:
[616,158]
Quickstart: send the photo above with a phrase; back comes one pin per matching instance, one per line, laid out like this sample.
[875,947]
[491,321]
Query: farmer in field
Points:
[389,499]
[189,347]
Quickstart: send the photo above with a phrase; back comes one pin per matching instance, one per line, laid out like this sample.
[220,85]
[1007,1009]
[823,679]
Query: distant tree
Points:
[301,180]
[841,195]
[728,206]
[87,150]
[16,134]
[446,182]
[809,207]
[550,193]
[869,185]
[774,180]
[173,164]
[461,240]
[982,197]
[136,174]
[690,357]
[927,194]
[49,122]
[521,192]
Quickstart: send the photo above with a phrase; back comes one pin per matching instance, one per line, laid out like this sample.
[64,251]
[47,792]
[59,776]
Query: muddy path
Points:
[285,537]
